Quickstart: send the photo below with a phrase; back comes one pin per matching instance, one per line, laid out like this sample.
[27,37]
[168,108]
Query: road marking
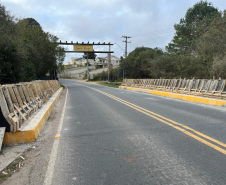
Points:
[171,123]
[53,155]
[186,127]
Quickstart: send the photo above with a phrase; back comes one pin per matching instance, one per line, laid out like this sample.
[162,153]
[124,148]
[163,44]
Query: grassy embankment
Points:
[61,85]
[112,84]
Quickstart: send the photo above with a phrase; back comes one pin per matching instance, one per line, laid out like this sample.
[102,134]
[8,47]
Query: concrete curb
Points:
[31,131]
[185,97]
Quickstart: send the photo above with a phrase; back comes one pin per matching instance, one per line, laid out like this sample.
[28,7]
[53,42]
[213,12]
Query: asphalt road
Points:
[115,137]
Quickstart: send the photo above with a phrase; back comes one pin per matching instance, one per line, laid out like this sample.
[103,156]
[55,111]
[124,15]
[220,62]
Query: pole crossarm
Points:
[89,51]
[85,44]
[89,43]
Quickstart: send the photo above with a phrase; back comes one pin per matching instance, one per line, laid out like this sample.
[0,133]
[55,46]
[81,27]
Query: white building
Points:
[115,61]
[103,61]
[100,61]
[91,61]
[71,61]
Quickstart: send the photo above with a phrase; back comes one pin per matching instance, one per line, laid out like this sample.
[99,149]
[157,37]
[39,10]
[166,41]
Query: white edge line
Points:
[53,155]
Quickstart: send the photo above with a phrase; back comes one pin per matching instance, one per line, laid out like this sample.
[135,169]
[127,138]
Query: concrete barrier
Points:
[18,102]
[30,131]
[208,88]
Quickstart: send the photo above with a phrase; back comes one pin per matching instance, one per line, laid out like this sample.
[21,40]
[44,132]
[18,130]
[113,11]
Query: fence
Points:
[19,101]
[200,87]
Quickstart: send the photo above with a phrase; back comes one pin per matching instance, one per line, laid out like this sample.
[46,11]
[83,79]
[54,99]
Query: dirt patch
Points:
[13,167]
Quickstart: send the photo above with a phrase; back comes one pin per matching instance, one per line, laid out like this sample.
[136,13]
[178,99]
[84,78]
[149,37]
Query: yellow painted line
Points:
[179,96]
[186,127]
[163,120]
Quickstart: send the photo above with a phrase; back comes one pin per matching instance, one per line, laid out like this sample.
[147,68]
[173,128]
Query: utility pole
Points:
[88,66]
[126,37]
[109,63]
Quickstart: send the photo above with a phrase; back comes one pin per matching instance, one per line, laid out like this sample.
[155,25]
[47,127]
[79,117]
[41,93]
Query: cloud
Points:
[150,22]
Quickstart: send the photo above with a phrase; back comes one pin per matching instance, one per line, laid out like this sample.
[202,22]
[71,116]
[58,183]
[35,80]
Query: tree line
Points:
[26,51]
[198,49]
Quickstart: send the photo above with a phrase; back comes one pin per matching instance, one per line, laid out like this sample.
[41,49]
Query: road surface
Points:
[115,137]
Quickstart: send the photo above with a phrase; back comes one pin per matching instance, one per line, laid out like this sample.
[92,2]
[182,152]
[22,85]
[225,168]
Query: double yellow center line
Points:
[183,128]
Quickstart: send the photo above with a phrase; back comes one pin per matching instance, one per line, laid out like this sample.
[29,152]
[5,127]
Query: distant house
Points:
[103,61]
[115,60]
[79,61]
[71,61]
[91,61]
[75,61]
[99,61]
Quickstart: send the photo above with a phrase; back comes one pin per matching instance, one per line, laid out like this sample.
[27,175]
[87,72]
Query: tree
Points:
[10,61]
[211,47]
[26,51]
[60,54]
[139,62]
[32,22]
[163,66]
[195,23]
[90,56]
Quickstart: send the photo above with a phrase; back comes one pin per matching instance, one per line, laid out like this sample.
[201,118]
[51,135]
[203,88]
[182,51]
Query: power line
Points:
[157,31]
[169,30]
[162,31]
[120,47]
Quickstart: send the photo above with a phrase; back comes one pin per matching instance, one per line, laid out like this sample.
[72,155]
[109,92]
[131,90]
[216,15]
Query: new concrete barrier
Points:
[19,102]
[30,131]
[190,88]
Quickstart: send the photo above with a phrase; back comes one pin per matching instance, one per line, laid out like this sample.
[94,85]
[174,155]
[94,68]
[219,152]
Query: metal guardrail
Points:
[19,101]
[201,87]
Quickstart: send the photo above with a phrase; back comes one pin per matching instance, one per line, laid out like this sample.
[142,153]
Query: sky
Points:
[150,23]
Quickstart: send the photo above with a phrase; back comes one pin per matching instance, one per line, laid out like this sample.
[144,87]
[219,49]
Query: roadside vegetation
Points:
[61,85]
[104,74]
[26,51]
[110,84]
[197,50]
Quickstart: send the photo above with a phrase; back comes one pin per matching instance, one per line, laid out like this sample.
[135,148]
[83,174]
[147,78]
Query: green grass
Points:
[64,78]
[61,85]
[113,84]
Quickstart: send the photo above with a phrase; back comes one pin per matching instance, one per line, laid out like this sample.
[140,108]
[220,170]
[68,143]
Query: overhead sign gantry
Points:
[88,48]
